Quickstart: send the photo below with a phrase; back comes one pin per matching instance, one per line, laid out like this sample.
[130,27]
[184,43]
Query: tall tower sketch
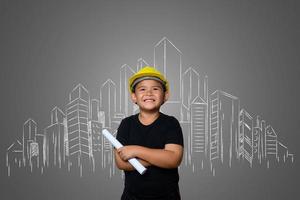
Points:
[126,106]
[77,111]
[95,125]
[108,100]
[95,129]
[14,157]
[108,162]
[246,136]
[224,134]
[257,152]
[29,136]
[199,132]
[263,139]
[270,143]
[190,91]
[54,142]
[141,63]
[195,110]
[167,59]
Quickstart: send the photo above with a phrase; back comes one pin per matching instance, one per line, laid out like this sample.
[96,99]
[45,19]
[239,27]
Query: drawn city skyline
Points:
[217,131]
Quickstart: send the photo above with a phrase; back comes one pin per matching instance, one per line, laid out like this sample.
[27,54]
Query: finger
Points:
[119,150]
[123,158]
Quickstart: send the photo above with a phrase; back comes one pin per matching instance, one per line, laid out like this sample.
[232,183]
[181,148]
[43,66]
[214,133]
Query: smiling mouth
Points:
[149,100]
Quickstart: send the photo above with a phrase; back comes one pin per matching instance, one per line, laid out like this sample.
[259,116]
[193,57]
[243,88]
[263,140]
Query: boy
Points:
[152,137]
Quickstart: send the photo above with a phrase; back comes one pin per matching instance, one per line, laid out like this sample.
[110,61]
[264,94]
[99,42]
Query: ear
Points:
[167,95]
[133,97]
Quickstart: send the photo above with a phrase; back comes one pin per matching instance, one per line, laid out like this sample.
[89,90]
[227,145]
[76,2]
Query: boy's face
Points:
[149,95]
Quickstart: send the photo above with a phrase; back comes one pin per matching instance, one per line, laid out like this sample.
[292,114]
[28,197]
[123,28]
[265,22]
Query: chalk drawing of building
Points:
[217,133]
[167,59]
[270,144]
[199,132]
[246,136]
[77,111]
[190,91]
[283,154]
[224,134]
[257,134]
[29,133]
[14,157]
[95,129]
[108,94]
[141,63]
[54,140]
[126,106]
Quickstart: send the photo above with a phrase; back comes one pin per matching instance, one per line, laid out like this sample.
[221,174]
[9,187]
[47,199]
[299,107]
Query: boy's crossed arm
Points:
[169,157]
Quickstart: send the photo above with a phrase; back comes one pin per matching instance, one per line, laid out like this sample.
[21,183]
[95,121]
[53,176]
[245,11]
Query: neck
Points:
[147,118]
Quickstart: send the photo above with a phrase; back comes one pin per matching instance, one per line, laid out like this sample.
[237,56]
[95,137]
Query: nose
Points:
[148,92]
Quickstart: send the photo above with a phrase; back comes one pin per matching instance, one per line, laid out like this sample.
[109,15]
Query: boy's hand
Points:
[128,152]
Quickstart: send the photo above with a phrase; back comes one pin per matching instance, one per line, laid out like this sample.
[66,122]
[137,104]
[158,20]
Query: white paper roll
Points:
[133,161]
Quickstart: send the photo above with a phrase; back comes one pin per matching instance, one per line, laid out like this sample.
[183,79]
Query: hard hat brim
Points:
[136,78]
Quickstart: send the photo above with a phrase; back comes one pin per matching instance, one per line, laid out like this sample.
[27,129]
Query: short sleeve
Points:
[174,133]
[122,133]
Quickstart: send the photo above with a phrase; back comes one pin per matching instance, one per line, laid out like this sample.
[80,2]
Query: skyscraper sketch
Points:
[257,138]
[271,143]
[77,111]
[194,109]
[14,157]
[141,63]
[108,103]
[167,59]
[190,91]
[199,132]
[246,136]
[54,140]
[29,133]
[94,128]
[217,132]
[126,106]
[283,153]
[224,145]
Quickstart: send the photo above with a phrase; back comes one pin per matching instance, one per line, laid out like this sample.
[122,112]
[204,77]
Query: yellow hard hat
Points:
[147,73]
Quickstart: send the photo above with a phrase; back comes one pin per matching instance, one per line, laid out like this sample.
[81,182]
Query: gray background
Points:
[247,48]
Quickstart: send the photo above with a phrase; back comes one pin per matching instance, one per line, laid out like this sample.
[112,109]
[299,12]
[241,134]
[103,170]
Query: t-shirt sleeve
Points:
[174,133]
[122,133]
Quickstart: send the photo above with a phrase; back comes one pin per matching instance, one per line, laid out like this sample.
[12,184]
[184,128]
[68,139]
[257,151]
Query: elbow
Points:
[122,166]
[119,166]
[178,163]
[119,163]
[174,163]
[175,154]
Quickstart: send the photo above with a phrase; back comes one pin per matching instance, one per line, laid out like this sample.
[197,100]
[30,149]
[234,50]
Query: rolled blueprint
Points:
[133,161]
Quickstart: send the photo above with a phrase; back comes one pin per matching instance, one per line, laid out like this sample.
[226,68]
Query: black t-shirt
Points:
[156,182]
